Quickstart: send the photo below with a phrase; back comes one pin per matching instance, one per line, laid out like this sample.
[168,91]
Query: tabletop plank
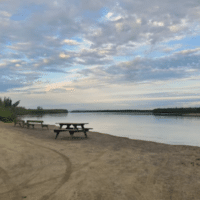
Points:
[71,123]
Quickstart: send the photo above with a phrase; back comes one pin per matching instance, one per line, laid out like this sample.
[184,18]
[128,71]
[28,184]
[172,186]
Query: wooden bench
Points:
[33,122]
[72,131]
[20,122]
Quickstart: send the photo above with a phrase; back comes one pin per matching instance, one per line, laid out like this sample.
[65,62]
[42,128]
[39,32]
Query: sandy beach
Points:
[35,166]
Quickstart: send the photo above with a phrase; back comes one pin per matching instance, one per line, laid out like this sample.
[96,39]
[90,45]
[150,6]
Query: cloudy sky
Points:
[91,54]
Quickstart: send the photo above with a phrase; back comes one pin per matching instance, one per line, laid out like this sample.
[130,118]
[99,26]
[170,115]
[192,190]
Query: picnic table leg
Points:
[85,133]
[71,133]
[75,126]
[57,133]
[84,130]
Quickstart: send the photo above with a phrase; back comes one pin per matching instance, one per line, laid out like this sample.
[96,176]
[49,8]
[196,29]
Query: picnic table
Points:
[20,122]
[72,128]
[33,122]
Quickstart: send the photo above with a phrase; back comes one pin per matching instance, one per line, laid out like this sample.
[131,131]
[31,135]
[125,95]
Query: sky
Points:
[91,54]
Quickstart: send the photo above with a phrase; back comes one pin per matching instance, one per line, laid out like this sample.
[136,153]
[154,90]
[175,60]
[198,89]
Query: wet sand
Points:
[35,166]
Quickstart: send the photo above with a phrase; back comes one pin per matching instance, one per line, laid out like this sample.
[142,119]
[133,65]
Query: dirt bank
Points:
[35,166]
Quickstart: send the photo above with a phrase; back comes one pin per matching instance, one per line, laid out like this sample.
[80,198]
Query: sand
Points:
[35,166]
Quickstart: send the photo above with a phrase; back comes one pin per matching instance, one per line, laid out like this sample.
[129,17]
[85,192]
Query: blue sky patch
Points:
[187,42]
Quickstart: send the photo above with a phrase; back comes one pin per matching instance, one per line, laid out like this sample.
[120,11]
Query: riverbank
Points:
[23,111]
[192,115]
[36,166]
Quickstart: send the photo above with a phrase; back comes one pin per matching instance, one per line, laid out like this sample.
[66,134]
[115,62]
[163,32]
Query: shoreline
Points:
[57,126]
[36,166]
[192,115]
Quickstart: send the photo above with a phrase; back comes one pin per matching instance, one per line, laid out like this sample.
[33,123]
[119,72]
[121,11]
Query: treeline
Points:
[9,112]
[23,111]
[157,111]
[38,111]
[175,111]
[137,111]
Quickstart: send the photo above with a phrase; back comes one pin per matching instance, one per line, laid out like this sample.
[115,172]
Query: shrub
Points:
[7,115]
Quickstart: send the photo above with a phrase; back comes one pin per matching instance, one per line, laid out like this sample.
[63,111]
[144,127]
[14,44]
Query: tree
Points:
[7,102]
[16,104]
[39,108]
[8,110]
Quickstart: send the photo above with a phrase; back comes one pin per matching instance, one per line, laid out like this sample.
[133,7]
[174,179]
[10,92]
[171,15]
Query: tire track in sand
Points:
[66,174]
[14,191]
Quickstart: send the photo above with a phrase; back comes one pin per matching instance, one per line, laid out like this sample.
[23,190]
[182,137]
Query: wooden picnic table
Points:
[33,122]
[20,122]
[29,123]
[68,125]
[72,128]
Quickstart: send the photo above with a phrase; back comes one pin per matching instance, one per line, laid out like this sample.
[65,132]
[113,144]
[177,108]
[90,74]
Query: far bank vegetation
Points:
[157,111]
[10,111]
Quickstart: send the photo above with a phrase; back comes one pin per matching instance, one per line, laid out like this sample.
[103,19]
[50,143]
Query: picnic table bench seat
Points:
[72,131]
[45,125]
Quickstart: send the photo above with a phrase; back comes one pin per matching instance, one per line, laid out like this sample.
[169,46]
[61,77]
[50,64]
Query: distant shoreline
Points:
[192,115]
[41,112]
[136,111]
[193,112]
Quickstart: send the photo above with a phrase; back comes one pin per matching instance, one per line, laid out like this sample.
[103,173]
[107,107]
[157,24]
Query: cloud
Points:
[61,90]
[70,42]
[188,51]
[6,86]
[177,66]
[4,14]
[97,44]
[62,55]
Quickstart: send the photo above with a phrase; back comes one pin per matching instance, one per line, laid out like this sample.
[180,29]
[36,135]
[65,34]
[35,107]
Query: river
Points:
[163,129]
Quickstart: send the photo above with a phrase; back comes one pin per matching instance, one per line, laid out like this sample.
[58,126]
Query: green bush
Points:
[7,115]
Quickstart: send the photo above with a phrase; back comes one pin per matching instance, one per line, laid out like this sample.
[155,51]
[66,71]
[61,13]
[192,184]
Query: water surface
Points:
[163,129]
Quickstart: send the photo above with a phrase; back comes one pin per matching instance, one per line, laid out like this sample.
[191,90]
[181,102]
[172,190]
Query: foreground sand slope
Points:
[35,166]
